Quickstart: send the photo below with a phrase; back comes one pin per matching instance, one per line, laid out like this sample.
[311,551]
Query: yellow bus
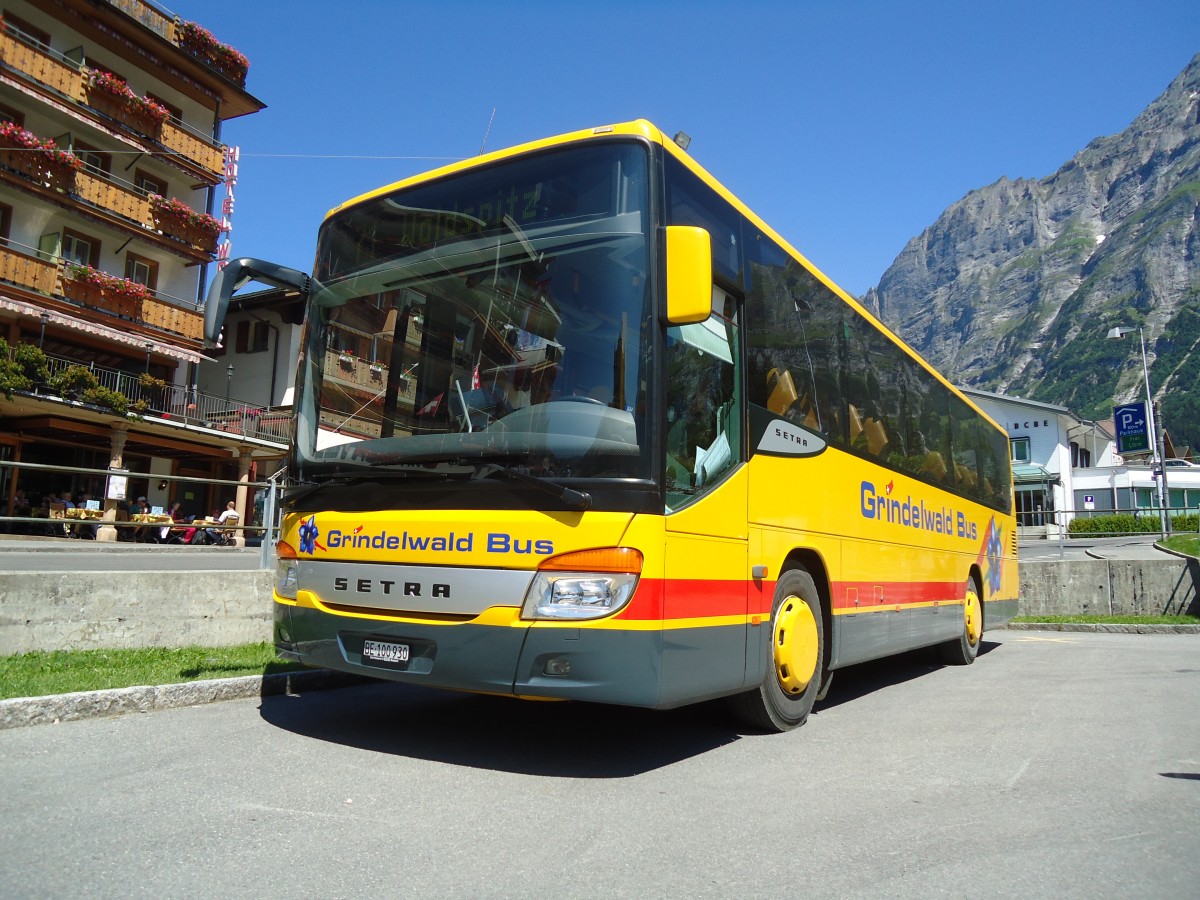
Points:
[572,422]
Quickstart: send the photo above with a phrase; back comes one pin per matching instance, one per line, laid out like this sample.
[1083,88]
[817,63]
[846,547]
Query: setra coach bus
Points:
[572,422]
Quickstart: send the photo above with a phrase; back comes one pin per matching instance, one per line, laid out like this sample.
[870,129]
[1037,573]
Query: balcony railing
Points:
[69,80]
[181,403]
[25,267]
[359,373]
[103,191]
[223,60]
[157,20]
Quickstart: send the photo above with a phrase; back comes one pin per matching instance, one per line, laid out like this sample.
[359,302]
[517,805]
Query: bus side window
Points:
[703,415]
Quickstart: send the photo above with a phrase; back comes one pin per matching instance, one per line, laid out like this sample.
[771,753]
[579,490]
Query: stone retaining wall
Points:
[112,610]
[107,610]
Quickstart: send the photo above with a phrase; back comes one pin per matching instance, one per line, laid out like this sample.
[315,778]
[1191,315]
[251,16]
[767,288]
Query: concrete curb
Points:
[1099,628]
[21,711]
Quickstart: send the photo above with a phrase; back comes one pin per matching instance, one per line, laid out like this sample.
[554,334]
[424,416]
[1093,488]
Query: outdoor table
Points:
[151,518]
[78,513]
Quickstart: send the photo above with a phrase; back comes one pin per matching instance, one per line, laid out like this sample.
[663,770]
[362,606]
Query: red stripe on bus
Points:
[886,593]
[703,598]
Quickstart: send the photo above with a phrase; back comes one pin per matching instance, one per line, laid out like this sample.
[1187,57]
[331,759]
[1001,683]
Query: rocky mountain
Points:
[1014,287]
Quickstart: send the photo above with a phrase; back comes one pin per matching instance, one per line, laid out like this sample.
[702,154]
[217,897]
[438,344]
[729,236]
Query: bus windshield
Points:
[489,317]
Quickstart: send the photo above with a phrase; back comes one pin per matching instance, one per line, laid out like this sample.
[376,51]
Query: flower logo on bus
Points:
[992,551]
[308,535]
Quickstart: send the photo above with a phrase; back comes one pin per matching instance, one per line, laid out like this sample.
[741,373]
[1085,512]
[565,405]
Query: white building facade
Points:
[1065,466]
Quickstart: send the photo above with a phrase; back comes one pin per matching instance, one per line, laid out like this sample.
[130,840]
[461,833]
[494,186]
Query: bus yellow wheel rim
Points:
[974,614]
[796,645]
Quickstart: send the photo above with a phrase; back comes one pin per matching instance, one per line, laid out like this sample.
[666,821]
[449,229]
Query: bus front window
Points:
[494,316]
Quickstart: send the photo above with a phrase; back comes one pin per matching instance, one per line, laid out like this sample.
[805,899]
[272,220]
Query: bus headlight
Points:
[286,569]
[588,584]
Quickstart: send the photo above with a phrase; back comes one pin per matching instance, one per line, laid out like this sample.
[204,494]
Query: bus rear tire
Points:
[796,670]
[963,650]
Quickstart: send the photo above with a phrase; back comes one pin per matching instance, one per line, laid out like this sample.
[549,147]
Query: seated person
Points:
[228,517]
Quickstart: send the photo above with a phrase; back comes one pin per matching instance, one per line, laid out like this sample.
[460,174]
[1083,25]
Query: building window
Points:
[5,221]
[148,183]
[142,270]
[1081,457]
[242,340]
[93,158]
[259,338]
[80,249]
[8,114]
[30,33]
[1020,449]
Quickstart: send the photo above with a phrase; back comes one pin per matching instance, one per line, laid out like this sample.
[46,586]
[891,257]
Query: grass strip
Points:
[1111,620]
[62,671]
[1183,543]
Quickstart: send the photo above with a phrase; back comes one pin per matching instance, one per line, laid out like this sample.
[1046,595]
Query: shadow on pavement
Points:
[554,739]
[867,678]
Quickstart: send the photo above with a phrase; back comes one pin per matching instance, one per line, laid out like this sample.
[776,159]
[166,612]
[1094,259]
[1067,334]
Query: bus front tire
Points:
[962,650]
[796,668]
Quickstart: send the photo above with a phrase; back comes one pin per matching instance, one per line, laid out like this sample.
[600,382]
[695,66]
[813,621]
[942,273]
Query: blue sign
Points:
[1133,433]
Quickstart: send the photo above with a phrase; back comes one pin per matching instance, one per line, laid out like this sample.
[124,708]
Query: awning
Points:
[1031,474]
[121,337]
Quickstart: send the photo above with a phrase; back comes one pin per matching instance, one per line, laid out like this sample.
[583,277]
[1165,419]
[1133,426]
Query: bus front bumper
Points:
[524,659]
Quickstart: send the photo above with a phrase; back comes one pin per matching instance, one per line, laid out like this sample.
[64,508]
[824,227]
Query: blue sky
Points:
[848,126]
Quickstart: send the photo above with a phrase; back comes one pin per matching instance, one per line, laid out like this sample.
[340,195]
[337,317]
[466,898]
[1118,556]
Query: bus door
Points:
[705,593]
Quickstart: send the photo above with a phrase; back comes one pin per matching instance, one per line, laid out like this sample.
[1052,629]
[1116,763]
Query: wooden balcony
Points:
[355,372]
[29,271]
[71,83]
[46,278]
[149,16]
[128,206]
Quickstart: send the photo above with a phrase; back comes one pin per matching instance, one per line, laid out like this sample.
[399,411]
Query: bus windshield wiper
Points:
[573,498]
[307,488]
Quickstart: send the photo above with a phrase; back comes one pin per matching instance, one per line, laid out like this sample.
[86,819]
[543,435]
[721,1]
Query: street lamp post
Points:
[1159,469]
[42,336]
[228,382]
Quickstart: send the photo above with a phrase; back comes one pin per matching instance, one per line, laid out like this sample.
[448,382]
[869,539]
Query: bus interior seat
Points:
[856,422]
[877,437]
[783,391]
[934,465]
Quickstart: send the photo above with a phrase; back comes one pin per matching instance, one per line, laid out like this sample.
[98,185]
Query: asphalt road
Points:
[1059,765]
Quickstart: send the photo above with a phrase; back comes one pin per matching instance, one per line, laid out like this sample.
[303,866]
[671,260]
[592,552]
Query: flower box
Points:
[113,97]
[221,58]
[177,219]
[118,296]
[39,160]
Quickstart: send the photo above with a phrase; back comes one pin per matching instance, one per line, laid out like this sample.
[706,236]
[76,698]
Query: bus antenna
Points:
[488,132]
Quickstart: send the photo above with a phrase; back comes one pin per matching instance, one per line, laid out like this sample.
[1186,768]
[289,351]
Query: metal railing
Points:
[1146,521]
[183,403]
[45,525]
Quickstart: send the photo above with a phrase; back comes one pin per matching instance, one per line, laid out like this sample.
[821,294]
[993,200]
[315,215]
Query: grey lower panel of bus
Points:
[867,636]
[632,668]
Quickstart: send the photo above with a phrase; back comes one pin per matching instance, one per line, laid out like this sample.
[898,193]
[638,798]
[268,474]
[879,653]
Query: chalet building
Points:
[113,179]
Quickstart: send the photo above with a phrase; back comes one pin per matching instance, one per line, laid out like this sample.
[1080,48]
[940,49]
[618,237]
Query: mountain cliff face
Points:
[1014,287]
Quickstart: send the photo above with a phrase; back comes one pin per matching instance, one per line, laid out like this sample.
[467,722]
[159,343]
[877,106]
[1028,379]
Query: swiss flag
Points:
[431,407]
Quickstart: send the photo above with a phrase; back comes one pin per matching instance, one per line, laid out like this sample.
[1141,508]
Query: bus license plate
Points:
[385,652]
